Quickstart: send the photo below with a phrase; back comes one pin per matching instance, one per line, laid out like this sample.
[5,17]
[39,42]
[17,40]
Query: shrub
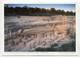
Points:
[68,31]
[68,47]
[19,17]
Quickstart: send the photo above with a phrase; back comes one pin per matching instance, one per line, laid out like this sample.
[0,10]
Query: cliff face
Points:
[37,32]
[61,30]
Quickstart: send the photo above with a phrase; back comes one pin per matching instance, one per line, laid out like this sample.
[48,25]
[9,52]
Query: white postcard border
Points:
[37,53]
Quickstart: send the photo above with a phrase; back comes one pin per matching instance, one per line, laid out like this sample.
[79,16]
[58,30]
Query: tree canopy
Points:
[30,11]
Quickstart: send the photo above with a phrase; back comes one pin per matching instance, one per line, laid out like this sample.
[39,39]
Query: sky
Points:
[65,7]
